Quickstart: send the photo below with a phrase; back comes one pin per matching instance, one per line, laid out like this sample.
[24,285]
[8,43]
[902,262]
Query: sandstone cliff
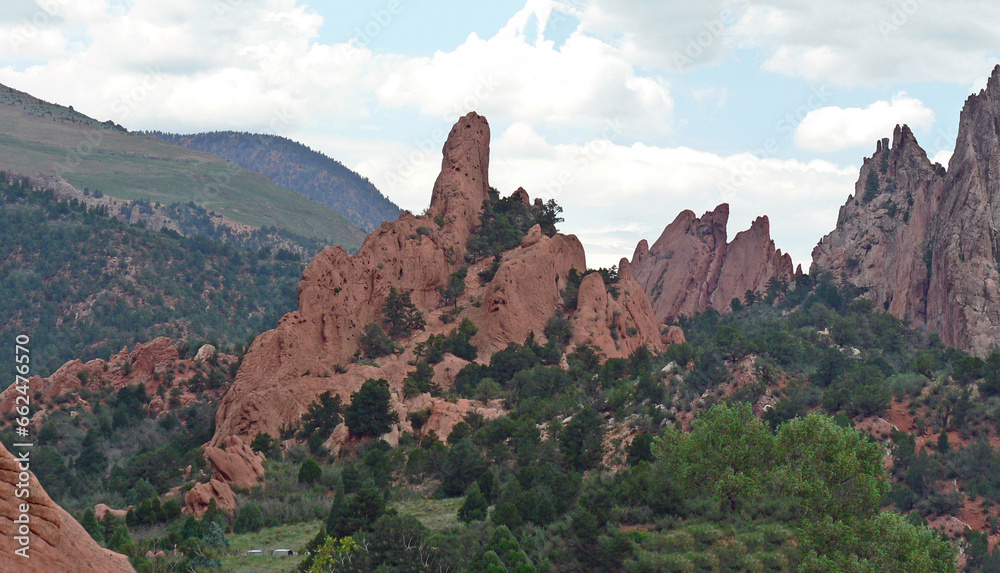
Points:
[692,267]
[56,542]
[926,242]
[312,350]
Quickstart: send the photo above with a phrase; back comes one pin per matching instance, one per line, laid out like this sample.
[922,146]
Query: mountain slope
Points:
[299,168]
[80,157]
[82,284]
[926,241]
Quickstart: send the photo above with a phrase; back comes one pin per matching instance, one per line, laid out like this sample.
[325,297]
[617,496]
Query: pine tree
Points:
[474,507]
[89,523]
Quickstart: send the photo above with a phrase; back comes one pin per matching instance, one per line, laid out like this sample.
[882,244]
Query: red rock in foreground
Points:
[691,267]
[57,543]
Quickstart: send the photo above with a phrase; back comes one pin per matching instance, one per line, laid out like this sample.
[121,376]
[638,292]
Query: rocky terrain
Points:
[924,240]
[691,267]
[311,350]
[56,541]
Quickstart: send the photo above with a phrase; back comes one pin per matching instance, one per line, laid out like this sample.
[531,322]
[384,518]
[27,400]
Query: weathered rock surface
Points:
[691,267]
[926,242]
[287,368]
[56,542]
[463,183]
[619,323]
[101,510]
[237,464]
[198,498]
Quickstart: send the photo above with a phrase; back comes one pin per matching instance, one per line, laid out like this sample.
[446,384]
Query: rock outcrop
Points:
[924,241]
[237,464]
[691,267]
[198,498]
[55,541]
[313,349]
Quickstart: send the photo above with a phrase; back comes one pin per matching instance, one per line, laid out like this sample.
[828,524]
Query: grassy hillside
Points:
[295,166]
[39,140]
[83,285]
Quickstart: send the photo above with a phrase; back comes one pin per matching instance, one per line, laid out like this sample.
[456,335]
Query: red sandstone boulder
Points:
[56,542]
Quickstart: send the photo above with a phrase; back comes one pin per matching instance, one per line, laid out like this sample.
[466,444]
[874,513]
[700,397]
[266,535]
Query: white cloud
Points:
[872,42]
[833,128]
[615,195]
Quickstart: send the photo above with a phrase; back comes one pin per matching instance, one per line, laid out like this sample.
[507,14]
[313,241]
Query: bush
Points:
[474,507]
[401,314]
[375,343]
[309,472]
[370,413]
[250,518]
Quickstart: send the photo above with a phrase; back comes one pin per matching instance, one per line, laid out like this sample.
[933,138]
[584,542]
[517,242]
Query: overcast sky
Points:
[624,111]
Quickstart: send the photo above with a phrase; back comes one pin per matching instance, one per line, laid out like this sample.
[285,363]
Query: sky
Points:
[626,112]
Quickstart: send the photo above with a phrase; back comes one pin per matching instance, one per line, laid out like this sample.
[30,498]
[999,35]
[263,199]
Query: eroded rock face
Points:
[57,543]
[463,183]
[198,498]
[619,323]
[237,464]
[691,267]
[312,349]
[926,242]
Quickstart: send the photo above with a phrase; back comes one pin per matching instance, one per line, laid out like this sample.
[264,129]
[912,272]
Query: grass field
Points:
[294,537]
[38,138]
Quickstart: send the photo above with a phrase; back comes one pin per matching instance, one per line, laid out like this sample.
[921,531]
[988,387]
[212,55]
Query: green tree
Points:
[401,314]
[474,507]
[90,524]
[375,343]
[121,541]
[250,518]
[309,472]
[582,440]
[370,412]
[455,287]
[215,537]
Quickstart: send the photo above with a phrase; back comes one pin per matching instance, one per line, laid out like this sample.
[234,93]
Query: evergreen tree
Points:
[401,314]
[370,413]
[474,507]
[309,472]
[89,523]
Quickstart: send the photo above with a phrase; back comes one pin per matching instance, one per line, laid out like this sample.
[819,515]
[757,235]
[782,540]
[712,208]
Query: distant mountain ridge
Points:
[297,167]
[104,165]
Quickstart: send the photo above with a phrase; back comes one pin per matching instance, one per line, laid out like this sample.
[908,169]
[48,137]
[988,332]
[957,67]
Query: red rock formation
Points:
[616,324]
[463,183]
[198,498]
[56,542]
[691,267]
[100,510]
[237,464]
[526,289]
[287,368]
[926,242]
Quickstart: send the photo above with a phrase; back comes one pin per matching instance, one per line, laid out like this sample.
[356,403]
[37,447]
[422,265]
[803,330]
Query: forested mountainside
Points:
[299,168]
[82,284]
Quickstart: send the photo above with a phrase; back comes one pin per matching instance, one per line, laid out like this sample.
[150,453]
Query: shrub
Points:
[401,314]
[309,472]
[375,343]
[370,413]
[474,507]
[250,518]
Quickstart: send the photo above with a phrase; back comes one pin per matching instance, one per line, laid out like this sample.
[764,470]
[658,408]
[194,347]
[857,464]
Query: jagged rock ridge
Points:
[692,267]
[312,349]
[924,241]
